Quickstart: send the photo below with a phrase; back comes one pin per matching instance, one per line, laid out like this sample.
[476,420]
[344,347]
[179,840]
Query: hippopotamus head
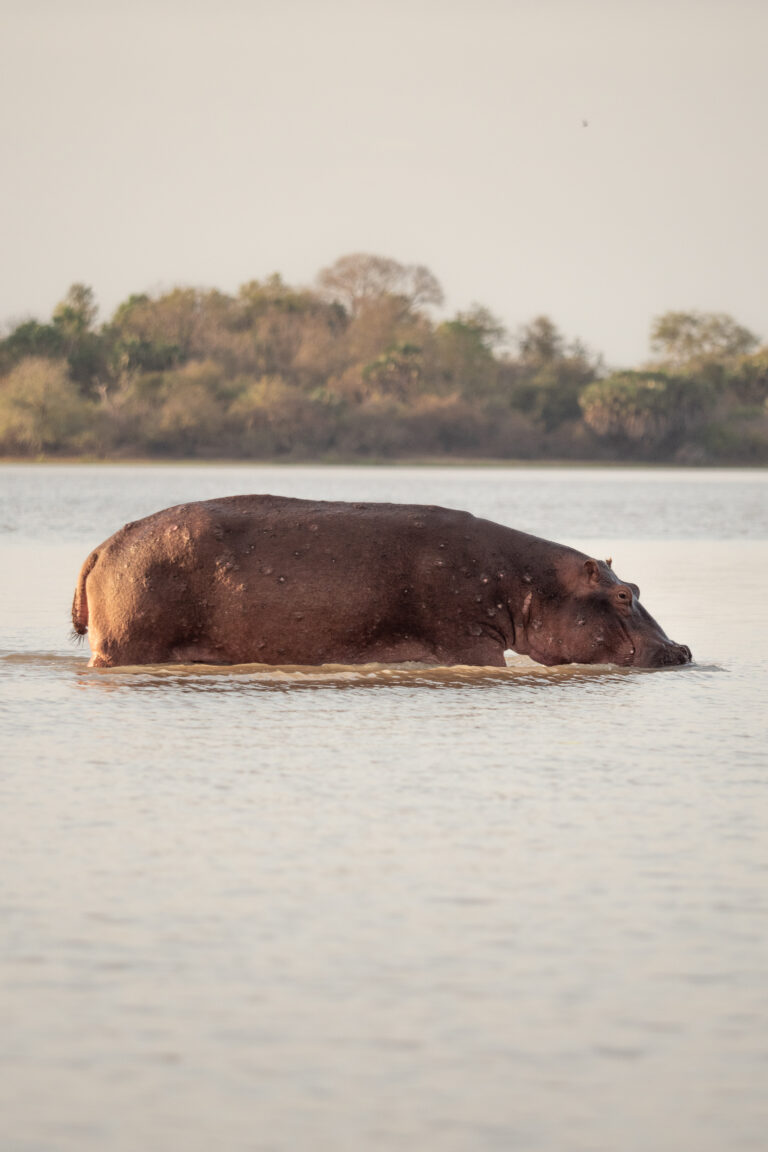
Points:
[584,614]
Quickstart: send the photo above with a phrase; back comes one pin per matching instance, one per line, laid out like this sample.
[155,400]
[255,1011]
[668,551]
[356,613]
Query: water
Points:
[389,908]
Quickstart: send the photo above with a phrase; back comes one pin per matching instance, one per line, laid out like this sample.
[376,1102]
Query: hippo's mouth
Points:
[666,655]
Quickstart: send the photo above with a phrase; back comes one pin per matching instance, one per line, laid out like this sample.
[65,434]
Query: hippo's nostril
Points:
[685,654]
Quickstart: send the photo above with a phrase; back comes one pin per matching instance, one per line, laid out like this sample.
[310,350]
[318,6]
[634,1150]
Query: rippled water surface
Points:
[395,908]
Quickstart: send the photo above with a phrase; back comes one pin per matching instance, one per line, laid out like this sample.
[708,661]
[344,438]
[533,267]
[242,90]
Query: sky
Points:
[212,142]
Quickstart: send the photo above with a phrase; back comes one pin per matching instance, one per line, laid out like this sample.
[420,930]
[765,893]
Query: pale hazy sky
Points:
[210,142]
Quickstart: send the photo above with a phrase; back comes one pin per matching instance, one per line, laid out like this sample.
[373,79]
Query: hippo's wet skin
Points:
[266,579]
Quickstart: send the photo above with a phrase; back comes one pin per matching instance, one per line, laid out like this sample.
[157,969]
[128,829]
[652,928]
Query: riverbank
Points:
[378,462]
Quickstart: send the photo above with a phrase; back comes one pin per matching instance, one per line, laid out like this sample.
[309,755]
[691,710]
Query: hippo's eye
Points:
[624,596]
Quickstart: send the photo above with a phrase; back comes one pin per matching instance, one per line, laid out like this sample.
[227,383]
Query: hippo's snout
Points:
[672,654]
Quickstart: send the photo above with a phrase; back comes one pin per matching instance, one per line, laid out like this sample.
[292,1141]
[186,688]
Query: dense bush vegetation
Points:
[359,366]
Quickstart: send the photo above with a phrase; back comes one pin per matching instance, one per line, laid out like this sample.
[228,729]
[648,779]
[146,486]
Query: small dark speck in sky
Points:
[585,123]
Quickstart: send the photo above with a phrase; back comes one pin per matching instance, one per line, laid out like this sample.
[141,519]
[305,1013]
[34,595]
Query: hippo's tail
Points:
[80,602]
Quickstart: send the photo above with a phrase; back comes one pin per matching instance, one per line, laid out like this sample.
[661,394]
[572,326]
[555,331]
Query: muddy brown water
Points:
[407,908]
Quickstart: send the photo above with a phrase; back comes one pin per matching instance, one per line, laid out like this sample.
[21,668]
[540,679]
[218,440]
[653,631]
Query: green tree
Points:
[181,411]
[41,409]
[550,373]
[645,408]
[747,379]
[76,313]
[555,390]
[274,417]
[173,321]
[681,338]
[30,338]
[398,373]
[86,349]
[540,342]
[463,351]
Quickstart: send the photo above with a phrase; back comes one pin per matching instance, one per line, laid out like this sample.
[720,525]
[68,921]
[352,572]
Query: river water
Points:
[345,909]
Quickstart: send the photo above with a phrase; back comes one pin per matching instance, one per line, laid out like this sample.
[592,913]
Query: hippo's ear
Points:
[592,571]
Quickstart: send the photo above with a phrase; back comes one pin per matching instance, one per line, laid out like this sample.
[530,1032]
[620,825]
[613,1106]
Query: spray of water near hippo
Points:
[272,580]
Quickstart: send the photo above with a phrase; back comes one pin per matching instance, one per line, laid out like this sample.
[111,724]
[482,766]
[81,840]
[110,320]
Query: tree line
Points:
[359,366]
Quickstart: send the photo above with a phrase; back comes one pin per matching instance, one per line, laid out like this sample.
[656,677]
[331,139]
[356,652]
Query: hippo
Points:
[274,580]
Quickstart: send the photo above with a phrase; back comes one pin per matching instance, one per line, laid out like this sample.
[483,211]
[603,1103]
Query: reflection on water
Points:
[520,670]
[388,907]
[334,678]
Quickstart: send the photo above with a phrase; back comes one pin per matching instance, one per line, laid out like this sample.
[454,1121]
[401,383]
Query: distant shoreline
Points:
[356,371]
[381,462]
